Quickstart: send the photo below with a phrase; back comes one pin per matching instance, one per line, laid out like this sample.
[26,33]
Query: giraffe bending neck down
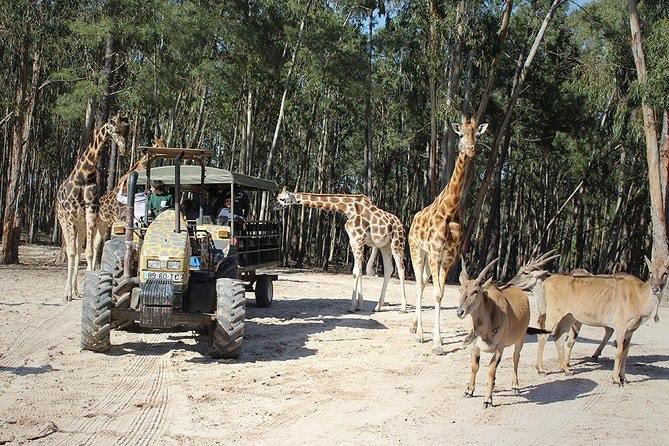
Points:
[435,232]
[77,200]
[366,224]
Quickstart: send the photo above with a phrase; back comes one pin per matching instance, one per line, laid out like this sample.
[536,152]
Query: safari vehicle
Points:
[170,271]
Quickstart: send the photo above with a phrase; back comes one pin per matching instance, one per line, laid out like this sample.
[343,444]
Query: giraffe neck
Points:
[331,202]
[87,163]
[449,198]
[121,184]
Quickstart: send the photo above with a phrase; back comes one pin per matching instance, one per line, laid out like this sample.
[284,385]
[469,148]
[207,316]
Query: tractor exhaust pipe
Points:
[177,193]
[129,224]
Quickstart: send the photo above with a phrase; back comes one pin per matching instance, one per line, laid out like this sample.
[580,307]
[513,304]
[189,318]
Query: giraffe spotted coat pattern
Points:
[366,224]
[434,235]
[77,200]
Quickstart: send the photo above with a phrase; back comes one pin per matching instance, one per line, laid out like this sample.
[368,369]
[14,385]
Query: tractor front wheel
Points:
[228,331]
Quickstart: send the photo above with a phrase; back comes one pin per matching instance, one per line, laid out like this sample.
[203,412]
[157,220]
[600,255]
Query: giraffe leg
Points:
[79,242]
[398,255]
[69,238]
[370,270]
[358,254]
[387,271]
[98,243]
[91,218]
[439,282]
[417,322]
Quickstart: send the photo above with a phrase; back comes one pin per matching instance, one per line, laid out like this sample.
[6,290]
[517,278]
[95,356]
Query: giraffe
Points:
[366,224]
[111,209]
[435,232]
[77,200]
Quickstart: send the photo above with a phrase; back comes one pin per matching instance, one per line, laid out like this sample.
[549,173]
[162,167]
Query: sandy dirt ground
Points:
[311,373]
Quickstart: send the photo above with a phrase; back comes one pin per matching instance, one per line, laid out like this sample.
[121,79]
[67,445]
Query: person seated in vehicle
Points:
[225,214]
[159,198]
[190,212]
[242,203]
[140,203]
[216,200]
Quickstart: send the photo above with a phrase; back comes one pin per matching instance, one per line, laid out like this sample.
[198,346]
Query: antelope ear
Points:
[463,277]
[482,129]
[649,264]
[486,284]
[463,272]
[456,128]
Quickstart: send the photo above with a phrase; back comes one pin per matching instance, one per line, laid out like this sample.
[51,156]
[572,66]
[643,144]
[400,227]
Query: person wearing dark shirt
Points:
[160,198]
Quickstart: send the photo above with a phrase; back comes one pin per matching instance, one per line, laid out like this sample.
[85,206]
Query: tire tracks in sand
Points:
[133,411]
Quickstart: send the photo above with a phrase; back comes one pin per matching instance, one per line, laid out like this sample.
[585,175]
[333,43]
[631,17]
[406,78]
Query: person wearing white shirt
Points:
[140,205]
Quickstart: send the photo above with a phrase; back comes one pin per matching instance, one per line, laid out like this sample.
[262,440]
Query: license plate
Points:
[174,277]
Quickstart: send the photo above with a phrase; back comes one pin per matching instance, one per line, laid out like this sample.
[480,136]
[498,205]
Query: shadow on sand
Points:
[278,333]
[24,370]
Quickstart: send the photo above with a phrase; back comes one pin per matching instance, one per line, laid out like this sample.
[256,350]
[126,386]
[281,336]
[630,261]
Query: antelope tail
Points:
[532,330]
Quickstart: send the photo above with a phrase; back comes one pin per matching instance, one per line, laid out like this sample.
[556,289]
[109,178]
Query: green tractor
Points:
[185,267]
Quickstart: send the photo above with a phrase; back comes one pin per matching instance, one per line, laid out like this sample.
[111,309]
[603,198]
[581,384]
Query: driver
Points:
[160,198]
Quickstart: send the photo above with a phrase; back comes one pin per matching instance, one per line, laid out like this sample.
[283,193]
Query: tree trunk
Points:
[282,107]
[26,96]
[368,113]
[494,152]
[656,188]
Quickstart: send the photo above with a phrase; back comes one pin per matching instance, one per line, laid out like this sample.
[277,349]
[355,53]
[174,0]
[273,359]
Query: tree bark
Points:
[282,107]
[26,96]
[660,251]
[494,152]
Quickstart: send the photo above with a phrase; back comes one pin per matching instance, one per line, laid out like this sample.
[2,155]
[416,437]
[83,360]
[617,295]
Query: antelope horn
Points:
[546,254]
[463,273]
[484,272]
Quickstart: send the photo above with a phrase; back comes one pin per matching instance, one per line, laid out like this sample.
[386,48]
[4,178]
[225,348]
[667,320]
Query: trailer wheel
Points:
[264,291]
[228,330]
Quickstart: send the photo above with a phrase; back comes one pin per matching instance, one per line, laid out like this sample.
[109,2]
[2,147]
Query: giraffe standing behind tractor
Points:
[77,200]
[111,209]
[366,224]
[435,232]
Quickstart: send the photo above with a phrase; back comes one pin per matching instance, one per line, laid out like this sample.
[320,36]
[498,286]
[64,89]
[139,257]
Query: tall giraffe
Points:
[111,209]
[77,200]
[366,224]
[435,232]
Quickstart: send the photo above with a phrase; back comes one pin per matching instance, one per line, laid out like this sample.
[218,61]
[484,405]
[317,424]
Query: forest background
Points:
[358,96]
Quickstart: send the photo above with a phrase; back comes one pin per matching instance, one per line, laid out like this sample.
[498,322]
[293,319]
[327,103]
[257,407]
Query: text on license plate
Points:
[174,277]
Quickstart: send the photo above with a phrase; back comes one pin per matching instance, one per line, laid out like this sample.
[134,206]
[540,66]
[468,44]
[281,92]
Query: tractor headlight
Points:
[174,264]
[153,264]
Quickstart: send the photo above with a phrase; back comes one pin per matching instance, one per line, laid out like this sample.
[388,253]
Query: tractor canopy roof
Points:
[191,174]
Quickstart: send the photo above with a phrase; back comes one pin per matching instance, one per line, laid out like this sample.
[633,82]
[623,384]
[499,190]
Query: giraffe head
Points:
[158,142]
[119,132]
[468,132]
[285,198]
[471,290]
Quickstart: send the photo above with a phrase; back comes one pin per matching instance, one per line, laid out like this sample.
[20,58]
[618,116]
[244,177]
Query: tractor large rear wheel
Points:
[96,312]
[228,330]
[97,301]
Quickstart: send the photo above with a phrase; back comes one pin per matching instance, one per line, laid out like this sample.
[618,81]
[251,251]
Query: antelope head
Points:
[530,274]
[471,290]
[658,276]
